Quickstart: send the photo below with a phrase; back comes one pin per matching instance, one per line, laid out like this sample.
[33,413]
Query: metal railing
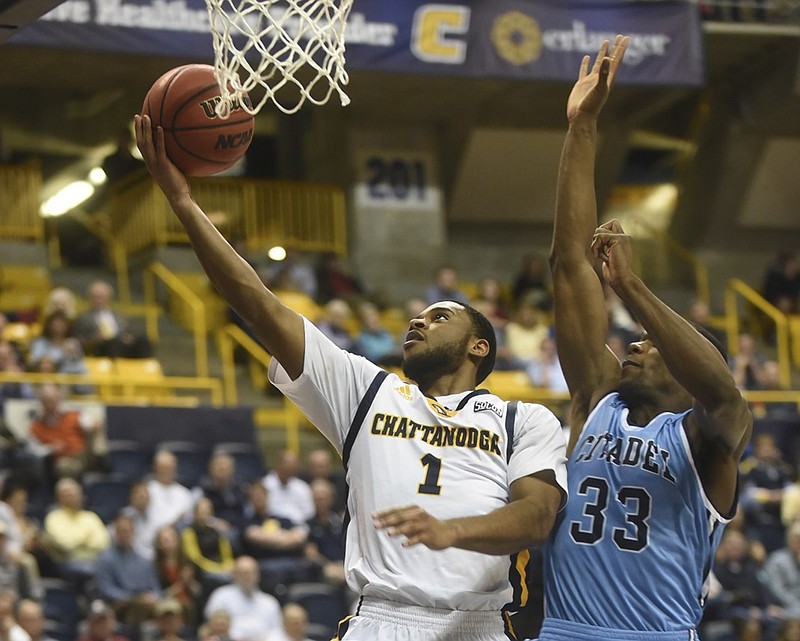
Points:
[122,389]
[192,300]
[737,288]
[20,185]
[288,415]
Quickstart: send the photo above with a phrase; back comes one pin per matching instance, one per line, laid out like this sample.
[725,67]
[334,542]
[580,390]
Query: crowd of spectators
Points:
[216,558]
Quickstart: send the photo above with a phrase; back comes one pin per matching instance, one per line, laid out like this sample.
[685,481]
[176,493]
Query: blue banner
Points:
[525,39]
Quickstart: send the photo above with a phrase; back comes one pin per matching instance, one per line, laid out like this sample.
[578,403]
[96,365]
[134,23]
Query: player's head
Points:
[442,338]
[646,380]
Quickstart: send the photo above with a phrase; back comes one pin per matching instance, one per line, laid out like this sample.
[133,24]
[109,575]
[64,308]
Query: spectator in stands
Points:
[254,614]
[138,509]
[700,314]
[336,280]
[764,477]
[32,555]
[491,295]
[124,578]
[790,504]
[169,620]
[9,363]
[73,536]
[531,281]
[169,500]
[325,545]
[57,350]
[545,371]
[103,332]
[743,595]
[72,442]
[445,287]
[374,342]
[782,282]
[293,274]
[748,364]
[782,573]
[790,631]
[30,618]
[525,332]
[176,575]
[10,630]
[62,300]
[267,536]
[13,574]
[295,624]
[333,323]
[771,380]
[206,545]
[101,624]
[225,491]
[289,495]
[319,465]
[217,627]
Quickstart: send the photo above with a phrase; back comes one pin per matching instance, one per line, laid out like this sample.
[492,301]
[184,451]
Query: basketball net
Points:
[282,46]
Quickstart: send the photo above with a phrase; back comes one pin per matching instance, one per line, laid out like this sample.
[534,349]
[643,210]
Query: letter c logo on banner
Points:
[434,24]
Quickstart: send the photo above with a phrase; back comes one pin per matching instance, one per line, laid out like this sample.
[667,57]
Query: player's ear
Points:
[480,347]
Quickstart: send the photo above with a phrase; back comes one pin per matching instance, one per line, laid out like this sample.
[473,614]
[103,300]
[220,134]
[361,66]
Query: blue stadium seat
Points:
[129,459]
[106,494]
[323,603]
[61,604]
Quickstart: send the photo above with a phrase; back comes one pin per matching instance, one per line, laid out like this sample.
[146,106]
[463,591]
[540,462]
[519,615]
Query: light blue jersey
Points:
[634,546]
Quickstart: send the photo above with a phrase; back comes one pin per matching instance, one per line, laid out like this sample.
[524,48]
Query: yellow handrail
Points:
[737,287]
[699,269]
[195,303]
[226,337]
[212,385]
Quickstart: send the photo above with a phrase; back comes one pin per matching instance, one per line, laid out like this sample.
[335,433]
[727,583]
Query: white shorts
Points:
[379,620]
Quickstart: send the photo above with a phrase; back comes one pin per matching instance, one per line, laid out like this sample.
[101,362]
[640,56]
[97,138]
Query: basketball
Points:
[197,140]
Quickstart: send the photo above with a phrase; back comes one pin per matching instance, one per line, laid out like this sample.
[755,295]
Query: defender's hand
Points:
[417,525]
[613,247]
[591,91]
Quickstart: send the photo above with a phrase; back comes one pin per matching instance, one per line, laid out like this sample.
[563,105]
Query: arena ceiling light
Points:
[277,253]
[67,198]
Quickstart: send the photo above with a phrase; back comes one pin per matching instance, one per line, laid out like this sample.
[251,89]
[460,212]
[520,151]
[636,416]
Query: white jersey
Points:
[449,455]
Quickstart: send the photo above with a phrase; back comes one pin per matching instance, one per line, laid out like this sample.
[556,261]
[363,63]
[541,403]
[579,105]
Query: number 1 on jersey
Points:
[431,483]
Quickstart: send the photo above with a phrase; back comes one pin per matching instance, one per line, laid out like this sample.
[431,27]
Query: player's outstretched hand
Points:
[417,525]
[151,143]
[592,88]
[613,247]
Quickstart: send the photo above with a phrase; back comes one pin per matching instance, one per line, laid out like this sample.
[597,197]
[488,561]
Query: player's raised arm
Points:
[580,313]
[279,328]
[720,425]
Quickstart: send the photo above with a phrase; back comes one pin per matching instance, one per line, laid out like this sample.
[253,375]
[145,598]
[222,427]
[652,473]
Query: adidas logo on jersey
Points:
[404,391]
[483,406]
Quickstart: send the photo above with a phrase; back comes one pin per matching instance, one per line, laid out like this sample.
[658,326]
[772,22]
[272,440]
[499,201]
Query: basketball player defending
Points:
[655,441]
[445,481]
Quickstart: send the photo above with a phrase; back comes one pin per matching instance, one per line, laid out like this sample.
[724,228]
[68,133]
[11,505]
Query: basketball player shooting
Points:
[655,441]
[445,481]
